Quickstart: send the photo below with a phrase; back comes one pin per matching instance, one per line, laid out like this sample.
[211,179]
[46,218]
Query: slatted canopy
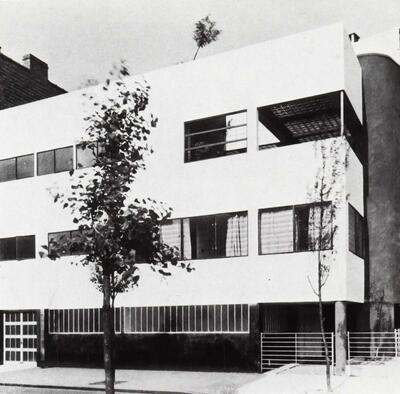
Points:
[307,119]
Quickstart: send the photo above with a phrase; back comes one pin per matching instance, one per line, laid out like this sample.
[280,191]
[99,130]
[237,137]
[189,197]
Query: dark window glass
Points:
[8,248]
[45,162]
[313,224]
[60,243]
[223,235]
[84,157]
[215,136]
[25,166]
[356,232]
[7,170]
[64,159]
[26,247]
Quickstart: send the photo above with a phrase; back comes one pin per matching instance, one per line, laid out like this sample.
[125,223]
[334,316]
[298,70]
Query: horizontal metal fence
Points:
[281,348]
[372,345]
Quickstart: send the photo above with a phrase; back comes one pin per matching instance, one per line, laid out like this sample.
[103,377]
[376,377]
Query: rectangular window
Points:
[295,229]
[84,157]
[313,226]
[64,159]
[356,233]
[67,243]
[25,247]
[8,170]
[216,136]
[25,166]
[55,160]
[17,248]
[187,319]
[79,321]
[45,162]
[204,237]
[276,230]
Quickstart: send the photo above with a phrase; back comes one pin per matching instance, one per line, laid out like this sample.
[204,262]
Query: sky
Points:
[81,39]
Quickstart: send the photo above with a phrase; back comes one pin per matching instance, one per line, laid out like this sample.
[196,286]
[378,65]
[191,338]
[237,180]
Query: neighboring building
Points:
[235,158]
[22,84]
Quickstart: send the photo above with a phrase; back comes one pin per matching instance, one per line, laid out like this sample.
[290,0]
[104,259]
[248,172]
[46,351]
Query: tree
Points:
[328,188]
[115,228]
[205,33]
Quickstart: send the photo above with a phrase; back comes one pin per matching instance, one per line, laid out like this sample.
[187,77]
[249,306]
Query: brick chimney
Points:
[39,69]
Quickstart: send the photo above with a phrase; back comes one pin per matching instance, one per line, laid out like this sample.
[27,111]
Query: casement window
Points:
[204,237]
[216,136]
[232,318]
[55,160]
[356,233]
[17,248]
[66,243]
[17,168]
[80,321]
[295,228]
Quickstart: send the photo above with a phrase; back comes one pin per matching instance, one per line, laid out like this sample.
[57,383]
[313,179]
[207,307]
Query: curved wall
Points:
[381,85]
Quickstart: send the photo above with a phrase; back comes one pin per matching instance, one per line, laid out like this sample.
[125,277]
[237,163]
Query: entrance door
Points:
[20,337]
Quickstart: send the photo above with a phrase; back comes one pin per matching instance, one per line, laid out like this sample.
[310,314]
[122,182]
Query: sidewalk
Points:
[171,382]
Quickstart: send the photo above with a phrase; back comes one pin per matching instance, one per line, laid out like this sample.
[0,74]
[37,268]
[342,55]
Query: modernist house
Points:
[236,141]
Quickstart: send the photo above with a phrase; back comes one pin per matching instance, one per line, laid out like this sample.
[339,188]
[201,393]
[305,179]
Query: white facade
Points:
[298,66]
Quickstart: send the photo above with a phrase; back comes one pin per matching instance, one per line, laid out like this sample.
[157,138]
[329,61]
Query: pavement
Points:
[134,381]
[365,378]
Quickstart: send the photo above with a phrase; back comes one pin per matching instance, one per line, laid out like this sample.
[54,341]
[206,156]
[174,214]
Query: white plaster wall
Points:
[290,68]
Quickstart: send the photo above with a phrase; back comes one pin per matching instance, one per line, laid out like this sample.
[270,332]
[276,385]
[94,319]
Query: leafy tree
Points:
[205,33]
[116,230]
[328,187]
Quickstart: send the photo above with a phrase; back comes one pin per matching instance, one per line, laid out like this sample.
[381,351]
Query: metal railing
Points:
[281,348]
[372,345]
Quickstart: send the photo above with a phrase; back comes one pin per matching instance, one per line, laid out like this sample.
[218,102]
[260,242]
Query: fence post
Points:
[333,348]
[295,347]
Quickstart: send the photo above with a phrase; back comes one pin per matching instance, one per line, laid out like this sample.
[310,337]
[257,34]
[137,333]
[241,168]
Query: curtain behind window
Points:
[236,236]
[276,231]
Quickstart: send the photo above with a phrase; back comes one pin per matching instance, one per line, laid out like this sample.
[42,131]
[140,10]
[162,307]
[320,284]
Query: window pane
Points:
[59,243]
[308,229]
[202,237]
[84,157]
[7,170]
[26,247]
[64,159]
[276,231]
[356,232]
[25,166]
[231,235]
[8,248]
[215,136]
[45,162]
[171,233]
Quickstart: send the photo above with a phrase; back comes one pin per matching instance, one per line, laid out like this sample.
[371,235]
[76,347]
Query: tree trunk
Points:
[197,51]
[108,336]
[326,350]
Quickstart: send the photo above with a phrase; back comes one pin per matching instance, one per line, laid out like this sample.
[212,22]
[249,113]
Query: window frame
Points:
[293,208]
[182,241]
[69,253]
[354,211]
[15,242]
[15,159]
[189,149]
[54,160]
